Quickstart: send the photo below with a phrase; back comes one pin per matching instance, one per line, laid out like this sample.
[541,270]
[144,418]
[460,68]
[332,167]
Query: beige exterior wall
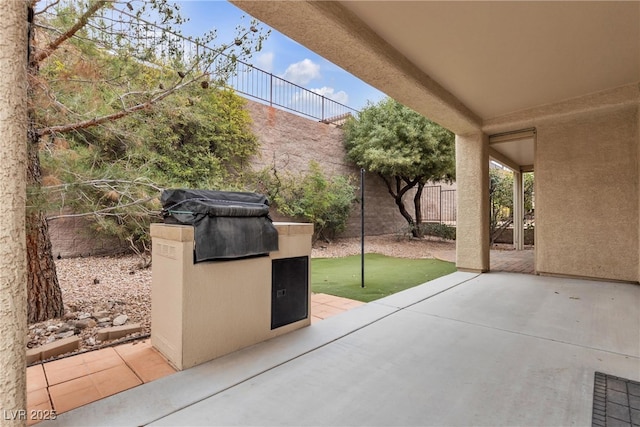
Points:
[587,195]
[13,261]
[472,174]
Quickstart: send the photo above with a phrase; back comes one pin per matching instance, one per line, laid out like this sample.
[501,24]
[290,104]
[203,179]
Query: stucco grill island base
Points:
[201,311]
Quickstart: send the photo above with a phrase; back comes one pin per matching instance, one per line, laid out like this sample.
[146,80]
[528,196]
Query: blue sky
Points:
[280,55]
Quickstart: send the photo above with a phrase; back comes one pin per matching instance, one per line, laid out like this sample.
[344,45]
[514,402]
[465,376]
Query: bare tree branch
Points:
[47,7]
[82,21]
[102,211]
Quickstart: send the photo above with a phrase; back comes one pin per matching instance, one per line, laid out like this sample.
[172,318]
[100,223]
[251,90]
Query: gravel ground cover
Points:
[99,292]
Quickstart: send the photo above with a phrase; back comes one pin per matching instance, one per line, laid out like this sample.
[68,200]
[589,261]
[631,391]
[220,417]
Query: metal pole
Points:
[270,90]
[362,227]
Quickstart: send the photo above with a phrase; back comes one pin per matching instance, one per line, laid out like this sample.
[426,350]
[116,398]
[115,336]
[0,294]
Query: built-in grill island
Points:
[224,276]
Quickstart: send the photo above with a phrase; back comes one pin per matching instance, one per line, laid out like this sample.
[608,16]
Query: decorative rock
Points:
[69,316]
[120,320]
[50,339]
[91,341]
[52,328]
[104,319]
[66,334]
[66,328]
[85,323]
[100,314]
[82,316]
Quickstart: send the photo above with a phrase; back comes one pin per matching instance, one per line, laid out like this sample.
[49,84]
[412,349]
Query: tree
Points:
[501,200]
[404,148]
[198,138]
[13,128]
[70,34]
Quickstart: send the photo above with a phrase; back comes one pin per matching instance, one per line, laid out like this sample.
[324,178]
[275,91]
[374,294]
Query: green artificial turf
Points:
[383,275]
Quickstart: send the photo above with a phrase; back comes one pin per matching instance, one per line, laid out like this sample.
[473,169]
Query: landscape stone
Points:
[66,334]
[100,314]
[65,328]
[120,320]
[85,323]
[118,331]
[52,349]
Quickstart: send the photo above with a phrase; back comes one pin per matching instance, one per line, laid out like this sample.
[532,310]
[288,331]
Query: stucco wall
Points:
[587,195]
[292,141]
[73,237]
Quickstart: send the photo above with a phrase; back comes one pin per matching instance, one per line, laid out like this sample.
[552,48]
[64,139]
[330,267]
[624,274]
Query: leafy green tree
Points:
[85,72]
[501,200]
[404,148]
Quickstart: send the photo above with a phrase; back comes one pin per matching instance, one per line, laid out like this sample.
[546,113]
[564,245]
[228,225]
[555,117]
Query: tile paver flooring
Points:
[506,260]
[513,261]
[68,383]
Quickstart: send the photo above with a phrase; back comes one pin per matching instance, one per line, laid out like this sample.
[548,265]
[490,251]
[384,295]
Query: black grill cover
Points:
[227,224]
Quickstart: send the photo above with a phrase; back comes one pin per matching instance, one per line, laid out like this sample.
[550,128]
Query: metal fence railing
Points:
[159,46]
[438,205]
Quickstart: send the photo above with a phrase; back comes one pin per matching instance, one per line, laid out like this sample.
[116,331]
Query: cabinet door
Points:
[289,290]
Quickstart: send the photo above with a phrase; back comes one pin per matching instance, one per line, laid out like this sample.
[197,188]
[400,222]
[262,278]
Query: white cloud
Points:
[330,93]
[309,103]
[302,72]
[265,62]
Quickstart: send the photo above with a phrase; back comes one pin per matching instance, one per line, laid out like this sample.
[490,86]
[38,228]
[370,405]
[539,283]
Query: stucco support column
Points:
[472,177]
[13,264]
[518,211]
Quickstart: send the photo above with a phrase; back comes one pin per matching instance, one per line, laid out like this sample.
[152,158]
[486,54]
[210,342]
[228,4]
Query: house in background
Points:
[551,87]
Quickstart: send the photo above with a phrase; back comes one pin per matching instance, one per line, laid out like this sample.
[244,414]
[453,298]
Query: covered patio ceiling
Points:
[470,65]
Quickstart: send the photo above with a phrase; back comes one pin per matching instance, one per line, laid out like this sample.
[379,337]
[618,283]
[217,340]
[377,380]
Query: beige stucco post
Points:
[518,211]
[13,265]
[472,177]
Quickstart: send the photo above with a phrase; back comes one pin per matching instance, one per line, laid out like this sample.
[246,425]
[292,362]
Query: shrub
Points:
[324,201]
[439,230]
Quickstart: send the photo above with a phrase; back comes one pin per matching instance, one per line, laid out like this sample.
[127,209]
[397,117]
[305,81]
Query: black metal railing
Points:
[438,205]
[158,46]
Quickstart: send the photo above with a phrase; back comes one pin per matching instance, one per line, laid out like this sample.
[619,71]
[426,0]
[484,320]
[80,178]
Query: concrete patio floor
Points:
[465,349]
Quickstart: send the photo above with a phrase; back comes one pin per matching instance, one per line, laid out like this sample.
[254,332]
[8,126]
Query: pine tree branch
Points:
[82,21]
[107,118]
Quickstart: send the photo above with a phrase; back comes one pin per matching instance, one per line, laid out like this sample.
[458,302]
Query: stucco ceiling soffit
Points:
[605,100]
[503,160]
[501,57]
[334,32]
